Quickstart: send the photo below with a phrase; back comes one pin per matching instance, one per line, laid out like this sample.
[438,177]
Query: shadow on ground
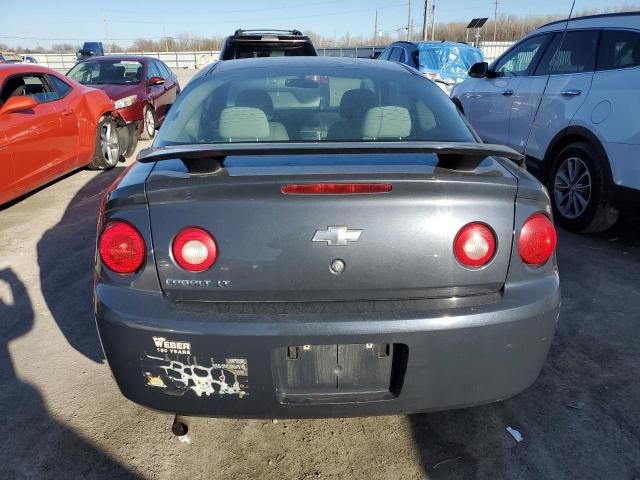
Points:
[66,259]
[33,445]
[581,419]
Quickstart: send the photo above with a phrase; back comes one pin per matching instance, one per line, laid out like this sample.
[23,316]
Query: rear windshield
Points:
[261,49]
[106,72]
[295,104]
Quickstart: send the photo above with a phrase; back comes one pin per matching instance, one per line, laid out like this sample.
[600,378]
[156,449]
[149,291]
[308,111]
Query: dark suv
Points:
[267,43]
[90,49]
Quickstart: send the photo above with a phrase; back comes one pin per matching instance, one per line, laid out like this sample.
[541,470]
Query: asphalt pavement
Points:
[62,416]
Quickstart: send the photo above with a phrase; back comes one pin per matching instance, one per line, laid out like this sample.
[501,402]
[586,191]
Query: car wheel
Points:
[107,151]
[148,123]
[580,191]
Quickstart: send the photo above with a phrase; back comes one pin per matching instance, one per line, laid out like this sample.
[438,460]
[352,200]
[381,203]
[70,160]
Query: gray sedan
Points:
[312,237]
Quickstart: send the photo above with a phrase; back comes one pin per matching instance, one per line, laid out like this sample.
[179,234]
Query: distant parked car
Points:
[570,100]
[267,43]
[2,58]
[50,125]
[28,59]
[446,63]
[90,49]
[143,88]
[11,58]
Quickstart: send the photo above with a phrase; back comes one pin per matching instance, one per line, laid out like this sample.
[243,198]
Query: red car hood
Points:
[116,92]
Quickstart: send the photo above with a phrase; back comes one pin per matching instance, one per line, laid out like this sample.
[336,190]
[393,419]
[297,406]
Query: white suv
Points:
[568,96]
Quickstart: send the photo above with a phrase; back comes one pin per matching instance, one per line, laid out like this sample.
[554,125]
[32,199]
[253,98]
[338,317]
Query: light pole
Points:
[409,23]
[425,24]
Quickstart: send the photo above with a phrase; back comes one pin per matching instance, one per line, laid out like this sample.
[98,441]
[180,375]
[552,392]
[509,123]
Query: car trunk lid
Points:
[279,247]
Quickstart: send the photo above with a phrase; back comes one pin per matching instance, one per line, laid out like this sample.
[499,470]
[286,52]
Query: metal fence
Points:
[64,61]
[490,50]
[354,52]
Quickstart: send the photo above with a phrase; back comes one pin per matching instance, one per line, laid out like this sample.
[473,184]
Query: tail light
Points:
[474,245]
[335,188]
[194,249]
[537,240]
[121,247]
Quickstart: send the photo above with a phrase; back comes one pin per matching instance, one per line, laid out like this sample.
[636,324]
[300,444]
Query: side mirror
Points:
[18,103]
[479,70]
[156,81]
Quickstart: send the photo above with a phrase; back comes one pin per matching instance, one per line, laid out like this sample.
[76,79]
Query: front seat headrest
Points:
[256,99]
[388,123]
[243,124]
[355,103]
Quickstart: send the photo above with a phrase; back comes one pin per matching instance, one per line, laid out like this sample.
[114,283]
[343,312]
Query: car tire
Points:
[580,190]
[107,152]
[148,123]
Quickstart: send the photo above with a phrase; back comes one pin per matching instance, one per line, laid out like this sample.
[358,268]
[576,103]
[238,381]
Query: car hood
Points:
[116,92]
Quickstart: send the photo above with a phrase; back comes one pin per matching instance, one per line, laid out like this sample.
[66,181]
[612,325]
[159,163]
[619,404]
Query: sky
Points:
[122,21]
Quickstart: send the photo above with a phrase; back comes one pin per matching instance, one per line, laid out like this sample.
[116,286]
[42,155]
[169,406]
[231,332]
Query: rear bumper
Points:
[455,357]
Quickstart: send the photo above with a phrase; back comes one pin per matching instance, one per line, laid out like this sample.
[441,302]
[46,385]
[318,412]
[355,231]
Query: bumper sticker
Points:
[177,374]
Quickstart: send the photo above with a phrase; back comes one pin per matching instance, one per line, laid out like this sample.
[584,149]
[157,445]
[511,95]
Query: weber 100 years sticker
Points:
[175,370]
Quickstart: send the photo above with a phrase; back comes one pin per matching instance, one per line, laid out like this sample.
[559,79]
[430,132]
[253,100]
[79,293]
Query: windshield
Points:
[260,49]
[450,60]
[312,103]
[107,72]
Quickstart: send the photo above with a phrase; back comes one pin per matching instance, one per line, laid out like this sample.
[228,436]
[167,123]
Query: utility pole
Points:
[433,20]
[104,26]
[166,40]
[425,24]
[375,30]
[495,21]
[409,23]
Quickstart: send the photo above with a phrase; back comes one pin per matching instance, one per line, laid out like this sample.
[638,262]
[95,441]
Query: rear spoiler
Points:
[210,156]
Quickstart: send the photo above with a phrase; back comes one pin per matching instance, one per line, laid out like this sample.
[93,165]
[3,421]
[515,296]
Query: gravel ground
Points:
[62,416]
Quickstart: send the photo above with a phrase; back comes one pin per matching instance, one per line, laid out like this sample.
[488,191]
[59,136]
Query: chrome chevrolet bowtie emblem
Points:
[337,235]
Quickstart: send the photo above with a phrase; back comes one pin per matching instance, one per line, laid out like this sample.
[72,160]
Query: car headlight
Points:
[126,101]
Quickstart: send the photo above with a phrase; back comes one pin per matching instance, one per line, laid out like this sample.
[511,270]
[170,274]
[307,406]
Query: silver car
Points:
[566,95]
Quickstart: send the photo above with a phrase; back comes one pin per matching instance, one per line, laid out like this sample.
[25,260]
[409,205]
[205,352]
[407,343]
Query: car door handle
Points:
[507,93]
[474,95]
[66,112]
[571,93]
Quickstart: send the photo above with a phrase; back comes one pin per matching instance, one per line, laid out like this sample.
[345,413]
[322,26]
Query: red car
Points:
[50,125]
[143,88]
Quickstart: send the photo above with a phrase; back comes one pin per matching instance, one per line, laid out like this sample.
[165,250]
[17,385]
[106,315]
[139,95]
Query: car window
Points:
[396,54]
[60,86]
[31,85]
[571,52]
[260,49]
[159,69]
[519,60]
[619,49]
[166,73]
[106,72]
[152,70]
[385,54]
[312,103]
